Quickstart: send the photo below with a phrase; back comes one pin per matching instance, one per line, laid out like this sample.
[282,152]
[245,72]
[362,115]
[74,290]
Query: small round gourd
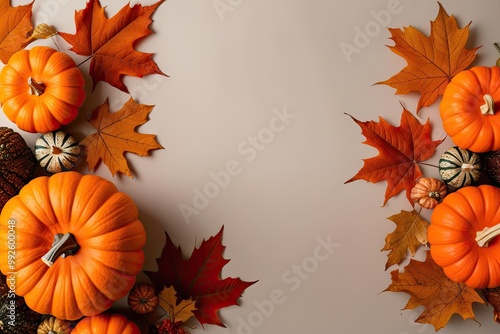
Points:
[53,325]
[459,167]
[428,192]
[142,298]
[57,151]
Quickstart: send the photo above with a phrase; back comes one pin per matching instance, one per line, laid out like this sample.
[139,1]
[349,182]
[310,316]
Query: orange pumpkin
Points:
[106,324]
[428,192]
[74,242]
[468,112]
[41,89]
[463,236]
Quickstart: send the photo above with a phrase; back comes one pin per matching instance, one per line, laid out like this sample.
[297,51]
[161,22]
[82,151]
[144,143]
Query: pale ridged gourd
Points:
[459,167]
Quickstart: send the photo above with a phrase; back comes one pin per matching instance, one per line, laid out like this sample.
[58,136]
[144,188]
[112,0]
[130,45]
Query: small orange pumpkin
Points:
[53,325]
[78,244]
[106,324]
[463,236]
[428,192]
[468,109]
[41,89]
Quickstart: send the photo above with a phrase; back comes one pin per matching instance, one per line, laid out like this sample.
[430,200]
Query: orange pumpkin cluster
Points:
[466,222]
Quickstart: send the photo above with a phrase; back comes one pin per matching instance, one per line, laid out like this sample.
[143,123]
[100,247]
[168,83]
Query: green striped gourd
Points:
[459,167]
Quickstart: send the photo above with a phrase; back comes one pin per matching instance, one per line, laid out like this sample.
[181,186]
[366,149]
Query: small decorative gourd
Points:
[459,167]
[53,325]
[428,192]
[57,151]
[142,298]
[106,323]
[17,164]
[464,236]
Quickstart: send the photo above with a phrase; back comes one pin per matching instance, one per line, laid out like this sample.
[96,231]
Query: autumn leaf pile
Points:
[186,287]
[432,61]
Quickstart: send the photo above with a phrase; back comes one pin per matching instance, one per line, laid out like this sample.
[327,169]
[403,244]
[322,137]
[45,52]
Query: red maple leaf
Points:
[400,150]
[109,42]
[198,277]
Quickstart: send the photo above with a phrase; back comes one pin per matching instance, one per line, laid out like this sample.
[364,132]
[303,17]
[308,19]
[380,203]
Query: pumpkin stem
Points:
[63,245]
[484,237]
[435,194]
[487,107]
[36,88]
[56,150]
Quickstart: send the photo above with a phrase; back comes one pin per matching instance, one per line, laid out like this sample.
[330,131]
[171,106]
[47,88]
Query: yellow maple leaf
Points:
[432,60]
[410,233]
[178,312]
[116,135]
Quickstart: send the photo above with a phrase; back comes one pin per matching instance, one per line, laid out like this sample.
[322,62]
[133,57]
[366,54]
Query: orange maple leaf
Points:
[410,233]
[400,150]
[110,42]
[116,135]
[15,28]
[428,286]
[432,61]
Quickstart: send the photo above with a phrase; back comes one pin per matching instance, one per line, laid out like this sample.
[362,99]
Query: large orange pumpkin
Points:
[468,109]
[463,236]
[73,242]
[41,89]
[106,324]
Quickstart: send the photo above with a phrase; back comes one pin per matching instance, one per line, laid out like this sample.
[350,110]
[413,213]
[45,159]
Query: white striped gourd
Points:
[57,151]
[459,167]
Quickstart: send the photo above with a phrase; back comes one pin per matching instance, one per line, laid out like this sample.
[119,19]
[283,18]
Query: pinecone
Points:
[16,317]
[491,164]
[493,298]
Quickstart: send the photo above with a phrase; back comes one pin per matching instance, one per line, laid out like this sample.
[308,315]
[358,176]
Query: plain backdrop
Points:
[260,91]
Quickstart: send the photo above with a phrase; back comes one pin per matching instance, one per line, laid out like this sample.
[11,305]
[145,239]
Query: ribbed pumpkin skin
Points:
[57,105]
[106,324]
[460,109]
[452,233]
[105,224]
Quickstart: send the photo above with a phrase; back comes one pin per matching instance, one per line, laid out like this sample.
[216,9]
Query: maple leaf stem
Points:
[84,61]
[496,46]
[427,164]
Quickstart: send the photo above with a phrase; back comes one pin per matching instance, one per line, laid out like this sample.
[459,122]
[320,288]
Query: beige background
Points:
[232,71]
